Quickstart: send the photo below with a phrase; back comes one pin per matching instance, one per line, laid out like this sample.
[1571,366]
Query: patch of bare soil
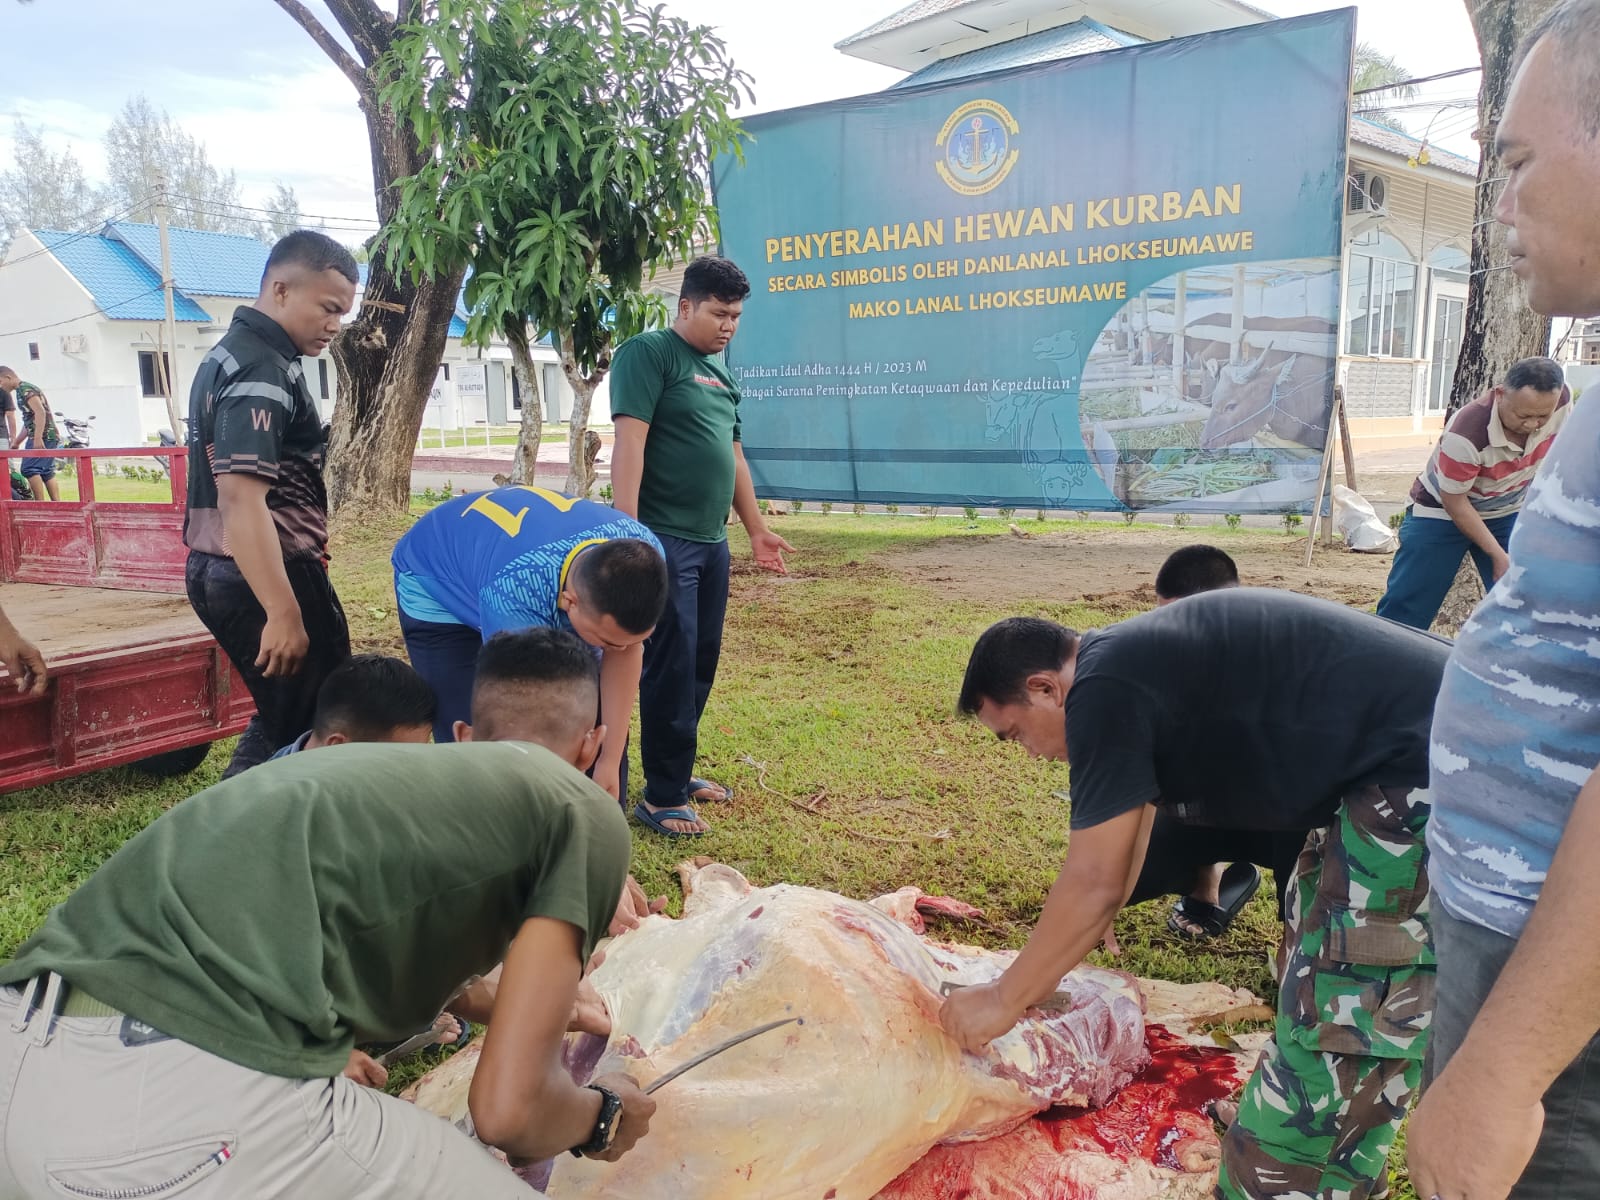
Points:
[1116,568]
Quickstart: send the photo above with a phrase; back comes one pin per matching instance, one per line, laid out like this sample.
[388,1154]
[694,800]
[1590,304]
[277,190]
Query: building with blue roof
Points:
[1409,206]
[83,316]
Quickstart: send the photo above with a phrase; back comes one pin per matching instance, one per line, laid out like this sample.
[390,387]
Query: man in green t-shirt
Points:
[182,1020]
[676,466]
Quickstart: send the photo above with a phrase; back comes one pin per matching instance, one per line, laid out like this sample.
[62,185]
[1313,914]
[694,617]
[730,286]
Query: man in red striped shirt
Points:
[1468,497]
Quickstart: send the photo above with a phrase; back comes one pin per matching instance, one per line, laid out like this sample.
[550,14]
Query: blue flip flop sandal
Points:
[655,820]
[697,785]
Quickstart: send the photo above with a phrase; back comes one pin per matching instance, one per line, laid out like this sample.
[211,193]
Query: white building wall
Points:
[89,364]
[43,306]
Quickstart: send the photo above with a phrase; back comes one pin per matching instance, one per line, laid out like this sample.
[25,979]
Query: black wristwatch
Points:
[605,1125]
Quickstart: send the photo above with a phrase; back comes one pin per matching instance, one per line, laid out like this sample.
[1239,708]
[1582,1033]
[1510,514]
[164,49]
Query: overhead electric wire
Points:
[1402,83]
[275,212]
[76,235]
[322,226]
[93,312]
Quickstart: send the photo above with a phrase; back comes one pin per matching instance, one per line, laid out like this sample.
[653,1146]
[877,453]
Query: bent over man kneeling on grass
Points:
[1246,709]
[184,1017]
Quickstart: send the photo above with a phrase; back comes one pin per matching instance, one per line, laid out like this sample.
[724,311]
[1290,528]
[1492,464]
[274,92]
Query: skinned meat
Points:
[1153,1141]
[836,1107]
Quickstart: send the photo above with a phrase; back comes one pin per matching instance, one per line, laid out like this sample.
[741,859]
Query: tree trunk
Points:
[1464,595]
[531,432]
[387,360]
[388,355]
[1500,328]
[583,446]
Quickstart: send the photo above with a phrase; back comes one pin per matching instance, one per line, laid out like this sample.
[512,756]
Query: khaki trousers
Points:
[105,1108]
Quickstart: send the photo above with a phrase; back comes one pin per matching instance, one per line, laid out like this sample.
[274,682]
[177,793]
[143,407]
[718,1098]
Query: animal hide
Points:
[842,1105]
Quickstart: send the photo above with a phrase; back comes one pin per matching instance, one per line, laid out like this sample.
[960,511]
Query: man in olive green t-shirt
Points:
[676,466]
[186,1014]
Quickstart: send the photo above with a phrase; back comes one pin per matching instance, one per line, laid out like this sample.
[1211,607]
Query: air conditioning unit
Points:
[1366,192]
[74,343]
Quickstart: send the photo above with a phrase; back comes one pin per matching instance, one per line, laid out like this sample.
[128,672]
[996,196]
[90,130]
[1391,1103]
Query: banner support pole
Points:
[1324,475]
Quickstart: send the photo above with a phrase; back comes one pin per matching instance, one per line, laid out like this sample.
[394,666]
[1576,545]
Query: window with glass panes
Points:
[1381,293]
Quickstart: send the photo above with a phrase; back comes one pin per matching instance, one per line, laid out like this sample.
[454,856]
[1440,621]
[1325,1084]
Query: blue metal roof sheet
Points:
[203,263]
[123,285]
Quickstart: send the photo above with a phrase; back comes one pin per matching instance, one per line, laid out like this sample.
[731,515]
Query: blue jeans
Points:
[680,665]
[1426,564]
[44,468]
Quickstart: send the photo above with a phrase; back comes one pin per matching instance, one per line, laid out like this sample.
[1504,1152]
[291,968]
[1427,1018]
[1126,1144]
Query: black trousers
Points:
[229,609]
[447,657]
[1177,851]
[680,665]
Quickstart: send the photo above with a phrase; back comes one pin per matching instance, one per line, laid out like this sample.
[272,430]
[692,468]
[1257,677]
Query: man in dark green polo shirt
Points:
[676,466]
[181,1022]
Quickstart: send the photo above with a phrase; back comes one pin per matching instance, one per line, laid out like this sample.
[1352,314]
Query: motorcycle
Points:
[77,430]
[168,439]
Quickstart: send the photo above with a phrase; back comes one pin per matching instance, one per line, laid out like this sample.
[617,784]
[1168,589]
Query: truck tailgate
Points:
[132,674]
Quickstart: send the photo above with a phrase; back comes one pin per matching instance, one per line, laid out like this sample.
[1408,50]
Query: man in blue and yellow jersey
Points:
[518,557]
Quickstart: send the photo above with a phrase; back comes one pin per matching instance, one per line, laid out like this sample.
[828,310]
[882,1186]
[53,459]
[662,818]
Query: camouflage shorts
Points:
[1318,1117]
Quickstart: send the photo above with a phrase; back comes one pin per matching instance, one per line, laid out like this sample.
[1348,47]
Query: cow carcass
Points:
[855,1097]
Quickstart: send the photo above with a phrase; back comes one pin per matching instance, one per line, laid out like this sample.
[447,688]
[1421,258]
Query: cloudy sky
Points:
[246,80]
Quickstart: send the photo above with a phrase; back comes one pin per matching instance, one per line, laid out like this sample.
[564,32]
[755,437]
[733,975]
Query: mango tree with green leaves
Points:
[574,144]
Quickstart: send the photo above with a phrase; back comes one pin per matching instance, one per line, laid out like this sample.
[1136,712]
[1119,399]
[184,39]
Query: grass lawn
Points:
[151,488]
[833,721]
[499,435]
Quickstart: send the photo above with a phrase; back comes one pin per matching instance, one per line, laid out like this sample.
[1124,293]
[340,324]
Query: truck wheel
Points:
[174,762]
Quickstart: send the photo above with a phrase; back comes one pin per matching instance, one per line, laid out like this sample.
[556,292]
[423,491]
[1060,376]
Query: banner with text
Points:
[1107,282]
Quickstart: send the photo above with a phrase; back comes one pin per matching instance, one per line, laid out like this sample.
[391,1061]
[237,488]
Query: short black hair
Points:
[369,696]
[1193,569]
[314,251]
[710,277]
[543,658]
[626,579]
[1539,373]
[539,654]
[1006,654]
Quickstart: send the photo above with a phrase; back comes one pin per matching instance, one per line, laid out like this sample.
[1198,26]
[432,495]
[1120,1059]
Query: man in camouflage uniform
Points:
[1262,711]
[1319,1115]
[38,433]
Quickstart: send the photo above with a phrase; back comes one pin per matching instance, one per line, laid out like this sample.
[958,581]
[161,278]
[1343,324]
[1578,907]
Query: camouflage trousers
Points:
[1319,1115]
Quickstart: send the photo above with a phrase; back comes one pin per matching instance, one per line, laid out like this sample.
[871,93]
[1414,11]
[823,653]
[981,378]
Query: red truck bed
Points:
[98,587]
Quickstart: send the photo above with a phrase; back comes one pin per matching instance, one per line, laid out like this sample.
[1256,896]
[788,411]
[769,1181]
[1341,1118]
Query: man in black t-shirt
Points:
[1188,862]
[1246,709]
[257,518]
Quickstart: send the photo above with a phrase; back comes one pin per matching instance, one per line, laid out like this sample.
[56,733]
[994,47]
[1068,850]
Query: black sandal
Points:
[1239,884]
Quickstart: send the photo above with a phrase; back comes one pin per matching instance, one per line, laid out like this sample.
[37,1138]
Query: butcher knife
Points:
[428,1037]
[1055,1002]
[718,1049]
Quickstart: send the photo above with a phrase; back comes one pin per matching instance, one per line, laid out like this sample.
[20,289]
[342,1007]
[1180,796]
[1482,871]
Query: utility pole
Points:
[168,362]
